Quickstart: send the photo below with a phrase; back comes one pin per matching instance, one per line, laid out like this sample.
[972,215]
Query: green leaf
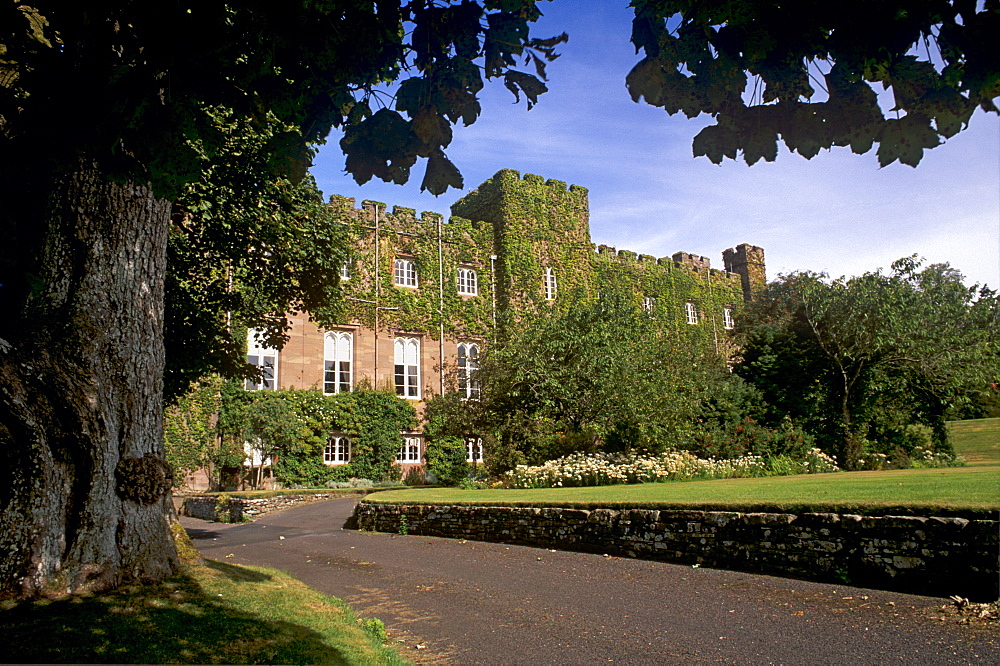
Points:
[440,175]
[526,83]
[716,142]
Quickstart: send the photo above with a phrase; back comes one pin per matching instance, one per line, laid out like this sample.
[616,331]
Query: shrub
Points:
[446,459]
[414,477]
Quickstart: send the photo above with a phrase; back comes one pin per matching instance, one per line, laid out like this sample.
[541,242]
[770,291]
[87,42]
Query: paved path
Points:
[473,602]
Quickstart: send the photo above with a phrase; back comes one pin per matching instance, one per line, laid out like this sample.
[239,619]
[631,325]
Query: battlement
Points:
[401,219]
[693,260]
[679,261]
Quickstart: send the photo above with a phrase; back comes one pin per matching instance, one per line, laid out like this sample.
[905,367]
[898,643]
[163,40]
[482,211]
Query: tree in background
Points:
[755,66]
[104,119]
[859,362]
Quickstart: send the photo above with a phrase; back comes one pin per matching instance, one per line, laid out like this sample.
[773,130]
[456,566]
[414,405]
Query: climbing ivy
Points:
[528,224]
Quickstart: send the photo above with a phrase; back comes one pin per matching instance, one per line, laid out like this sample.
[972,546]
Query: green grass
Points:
[971,490]
[216,613]
[977,440]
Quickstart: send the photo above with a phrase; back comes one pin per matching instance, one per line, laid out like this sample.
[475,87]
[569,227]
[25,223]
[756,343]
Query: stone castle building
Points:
[426,295]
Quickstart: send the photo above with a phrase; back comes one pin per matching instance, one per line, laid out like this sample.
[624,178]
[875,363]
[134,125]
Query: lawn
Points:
[977,440]
[214,613]
[952,490]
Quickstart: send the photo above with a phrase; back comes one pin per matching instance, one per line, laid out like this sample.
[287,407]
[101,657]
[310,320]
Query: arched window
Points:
[467,282]
[410,450]
[407,361]
[549,279]
[338,348]
[337,451]
[727,318]
[263,358]
[405,273]
[468,364]
[691,312]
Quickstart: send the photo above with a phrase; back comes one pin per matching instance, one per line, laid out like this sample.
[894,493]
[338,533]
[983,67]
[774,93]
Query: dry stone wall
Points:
[936,556]
[240,509]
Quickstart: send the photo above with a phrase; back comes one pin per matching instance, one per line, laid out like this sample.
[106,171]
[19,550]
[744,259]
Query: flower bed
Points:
[604,469]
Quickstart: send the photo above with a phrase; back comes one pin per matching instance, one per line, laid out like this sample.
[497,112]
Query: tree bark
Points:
[85,492]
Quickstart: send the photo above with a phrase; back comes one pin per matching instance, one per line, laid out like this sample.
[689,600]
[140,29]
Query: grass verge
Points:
[948,491]
[215,613]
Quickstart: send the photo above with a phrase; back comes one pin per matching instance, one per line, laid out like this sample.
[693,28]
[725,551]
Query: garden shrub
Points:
[414,477]
[446,459]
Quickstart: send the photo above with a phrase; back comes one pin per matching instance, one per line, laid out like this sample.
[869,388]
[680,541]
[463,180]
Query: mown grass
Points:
[951,491]
[215,613]
[977,440]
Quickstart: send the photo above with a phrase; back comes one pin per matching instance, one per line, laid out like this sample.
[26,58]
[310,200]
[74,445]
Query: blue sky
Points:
[839,212]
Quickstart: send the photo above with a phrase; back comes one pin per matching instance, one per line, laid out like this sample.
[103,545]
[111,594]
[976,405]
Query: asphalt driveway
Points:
[471,602]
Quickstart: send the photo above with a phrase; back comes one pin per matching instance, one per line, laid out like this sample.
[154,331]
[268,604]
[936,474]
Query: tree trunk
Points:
[85,498]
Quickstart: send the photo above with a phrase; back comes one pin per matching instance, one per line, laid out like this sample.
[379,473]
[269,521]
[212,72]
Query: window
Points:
[468,364]
[467,282]
[549,280]
[405,273]
[648,304]
[691,312]
[264,358]
[345,271]
[338,347]
[727,318]
[410,450]
[337,451]
[407,358]
[474,447]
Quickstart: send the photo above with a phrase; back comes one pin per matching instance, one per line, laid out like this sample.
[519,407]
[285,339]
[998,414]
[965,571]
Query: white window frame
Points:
[338,362]
[551,287]
[468,364]
[264,357]
[405,273]
[410,449]
[337,450]
[473,449]
[691,312]
[727,319]
[468,282]
[648,304]
[406,375]
[345,271]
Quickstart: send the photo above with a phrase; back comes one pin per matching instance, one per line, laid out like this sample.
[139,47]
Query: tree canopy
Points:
[860,361]
[808,72]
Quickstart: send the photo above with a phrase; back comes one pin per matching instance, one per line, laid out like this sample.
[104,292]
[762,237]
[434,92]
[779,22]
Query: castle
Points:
[425,296]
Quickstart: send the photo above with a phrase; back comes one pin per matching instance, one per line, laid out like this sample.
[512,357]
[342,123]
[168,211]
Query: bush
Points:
[414,477]
[446,459]
[749,437]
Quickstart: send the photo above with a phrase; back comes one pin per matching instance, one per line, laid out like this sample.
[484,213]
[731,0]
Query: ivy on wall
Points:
[529,224]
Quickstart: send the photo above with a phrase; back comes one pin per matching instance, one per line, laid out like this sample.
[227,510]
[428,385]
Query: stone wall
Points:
[241,509]
[936,556]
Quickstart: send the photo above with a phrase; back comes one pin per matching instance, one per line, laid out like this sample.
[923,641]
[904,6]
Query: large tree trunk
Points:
[84,488]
